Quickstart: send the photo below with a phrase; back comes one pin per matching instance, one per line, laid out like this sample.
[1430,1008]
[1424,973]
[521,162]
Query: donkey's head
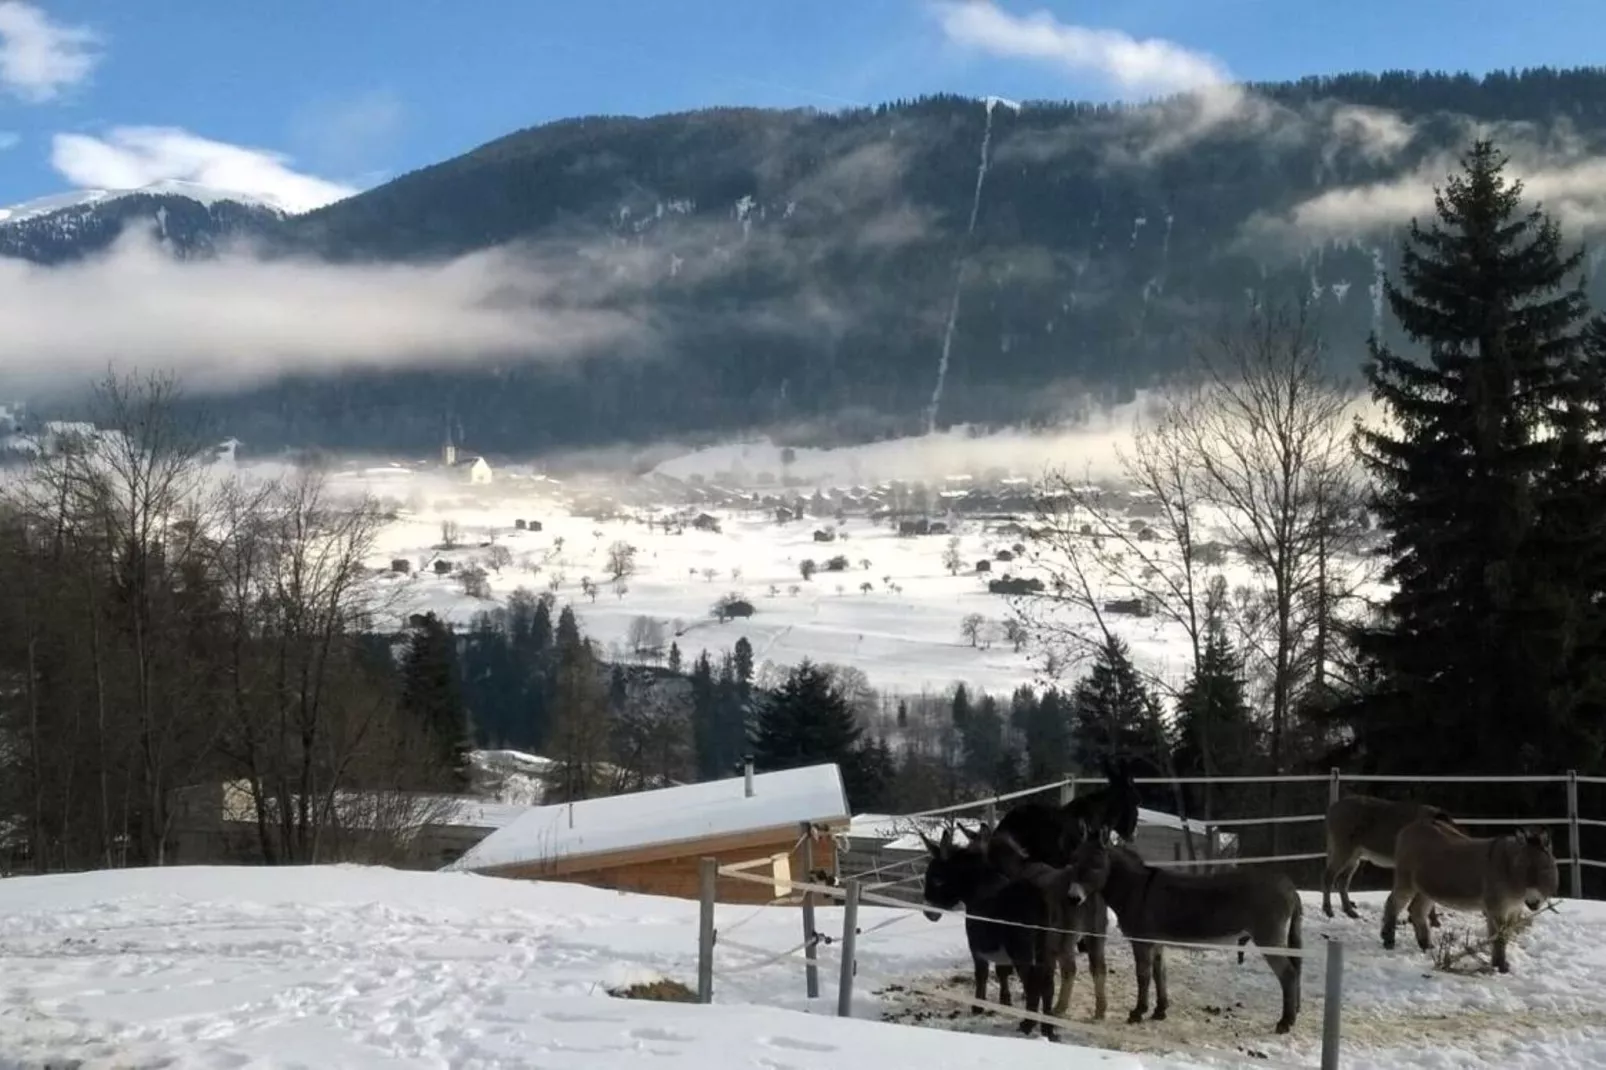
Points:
[952,873]
[1121,802]
[1534,867]
[1089,865]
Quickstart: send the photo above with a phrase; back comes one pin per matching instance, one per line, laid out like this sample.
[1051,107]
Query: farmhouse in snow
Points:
[652,841]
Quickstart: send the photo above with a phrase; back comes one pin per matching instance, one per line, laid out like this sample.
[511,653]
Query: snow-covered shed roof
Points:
[902,834]
[683,814]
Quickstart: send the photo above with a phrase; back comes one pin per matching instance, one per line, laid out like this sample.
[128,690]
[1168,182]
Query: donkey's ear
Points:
[947,837]
[1538,836]
[931,845]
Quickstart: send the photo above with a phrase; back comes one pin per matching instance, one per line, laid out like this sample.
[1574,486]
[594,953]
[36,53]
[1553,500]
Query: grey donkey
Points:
[1363,828]
[1497,876]
[1156,906]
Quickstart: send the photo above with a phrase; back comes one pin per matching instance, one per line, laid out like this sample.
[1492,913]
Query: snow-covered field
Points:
[897,618]
[353,967]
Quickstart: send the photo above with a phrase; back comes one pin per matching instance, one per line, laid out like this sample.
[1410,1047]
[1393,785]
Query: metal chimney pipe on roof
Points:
[747,775]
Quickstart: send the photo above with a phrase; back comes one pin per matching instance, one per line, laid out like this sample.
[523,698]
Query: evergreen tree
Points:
[982,744]
[568,633]
[492,690]
[1045,725]
[618,689]
[1489,493]
[432,691]
[1112,711]
[742,656]
[703,719]
[581,723]
[808,722]
[674,658]
[961,706]
[1216,733]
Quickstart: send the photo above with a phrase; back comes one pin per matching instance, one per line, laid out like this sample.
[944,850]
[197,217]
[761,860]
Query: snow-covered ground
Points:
[353,967]
[897,618]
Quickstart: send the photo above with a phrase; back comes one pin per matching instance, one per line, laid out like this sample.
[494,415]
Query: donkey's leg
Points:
[1391,911]
[1098,968]
[1031,982]
[1003,984]
[1418,913]
[1143,963]
[1338,866]
[981,984]
[1045,997]
[1497,940]
[1162,995]
[1353,868]
[1067,967]
[1433,915]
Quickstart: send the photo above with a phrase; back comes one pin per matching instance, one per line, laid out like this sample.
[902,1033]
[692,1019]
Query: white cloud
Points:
[9,139]
[129,157]
[241,319]
[1556,171]
[38,57]
[1148,66]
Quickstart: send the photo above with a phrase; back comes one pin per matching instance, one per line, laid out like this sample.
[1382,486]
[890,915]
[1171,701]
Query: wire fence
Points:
[890,884]
[845,949]
[1281,837]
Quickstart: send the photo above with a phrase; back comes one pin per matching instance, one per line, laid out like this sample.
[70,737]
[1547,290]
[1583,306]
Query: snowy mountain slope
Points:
[83,198]
[188,219]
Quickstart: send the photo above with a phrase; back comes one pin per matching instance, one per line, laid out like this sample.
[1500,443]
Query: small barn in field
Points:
[652,841]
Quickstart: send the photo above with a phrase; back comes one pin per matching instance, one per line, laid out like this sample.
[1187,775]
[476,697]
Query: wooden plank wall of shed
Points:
[680,877]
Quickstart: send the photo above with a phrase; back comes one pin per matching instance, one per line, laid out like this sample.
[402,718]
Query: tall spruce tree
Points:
[432,692]
[1112,711]
[1488,489]
[1216,733]
[807,721]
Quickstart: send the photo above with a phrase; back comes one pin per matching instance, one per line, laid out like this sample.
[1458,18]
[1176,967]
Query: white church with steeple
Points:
[469,467]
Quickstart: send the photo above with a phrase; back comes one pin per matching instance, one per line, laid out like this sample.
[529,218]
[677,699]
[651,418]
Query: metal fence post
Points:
[1332,786]
[708,873]
[1333,1005]
[991,816]
[811,969]
[1068,792]
[1575,846]
[850,931]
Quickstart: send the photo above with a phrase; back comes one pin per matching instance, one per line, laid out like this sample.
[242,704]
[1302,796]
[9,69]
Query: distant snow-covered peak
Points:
[207,195]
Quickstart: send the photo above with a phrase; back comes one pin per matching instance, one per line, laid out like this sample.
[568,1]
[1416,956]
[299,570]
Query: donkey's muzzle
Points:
[932,915]
[1534,903]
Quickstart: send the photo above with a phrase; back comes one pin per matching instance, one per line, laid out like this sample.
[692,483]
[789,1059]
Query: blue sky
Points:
[308,99]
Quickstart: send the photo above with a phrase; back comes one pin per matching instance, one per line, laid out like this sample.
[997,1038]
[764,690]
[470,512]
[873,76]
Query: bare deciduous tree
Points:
[621,560]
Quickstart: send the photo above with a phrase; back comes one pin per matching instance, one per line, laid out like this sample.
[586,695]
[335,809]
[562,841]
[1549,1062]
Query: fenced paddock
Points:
[1377,1002]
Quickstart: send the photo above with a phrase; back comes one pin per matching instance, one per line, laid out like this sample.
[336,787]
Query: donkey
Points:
[1013,922]
[1438,863]
[1083,913]
[1155,907]
[1363,828]
[1050,833]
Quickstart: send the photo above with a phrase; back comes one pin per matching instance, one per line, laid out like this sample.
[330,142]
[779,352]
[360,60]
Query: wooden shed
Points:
[651,841]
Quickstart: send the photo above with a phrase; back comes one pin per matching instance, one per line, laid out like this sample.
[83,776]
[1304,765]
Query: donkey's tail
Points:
[1296,941]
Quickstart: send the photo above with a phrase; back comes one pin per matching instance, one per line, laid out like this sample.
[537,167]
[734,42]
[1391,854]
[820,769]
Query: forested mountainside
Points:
[799,267]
